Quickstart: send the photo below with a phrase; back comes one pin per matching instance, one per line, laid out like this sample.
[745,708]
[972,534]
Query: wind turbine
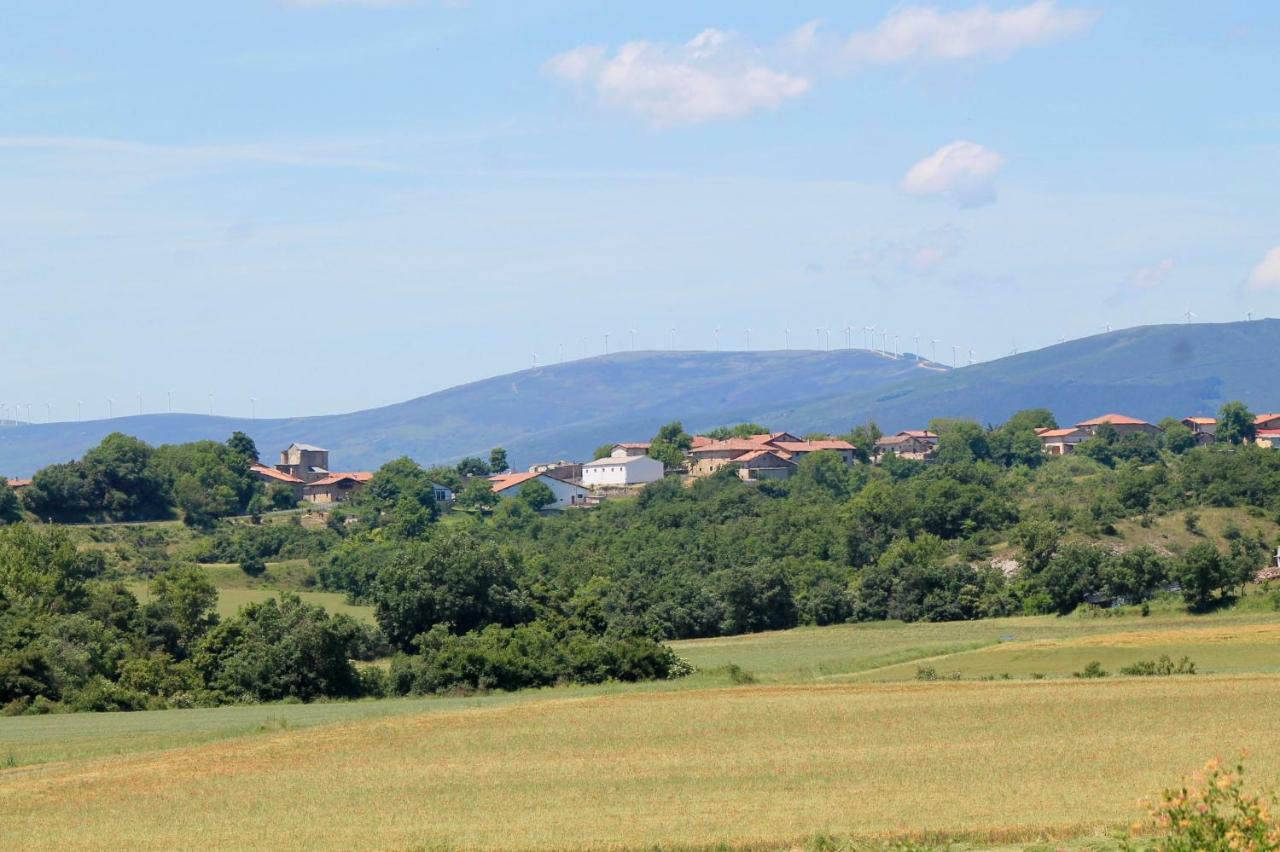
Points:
[673,338]
[933,350]
[79,410]
[716,334]
[253,408]
[1189,314]
[787,337]
[48,412]
[139,402]
[606,343]
[970,357]
[210,405]
[561,345]
[111,408]
[169,400]
[748,339]
[917,347]
[954,349]
[535,360]
[827,332]
[633,339]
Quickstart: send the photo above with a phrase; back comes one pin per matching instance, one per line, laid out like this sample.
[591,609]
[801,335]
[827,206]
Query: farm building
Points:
[304,461]
[336,487]
[1123,425]
[1059,442]
[622,470]
[271,476]
[566,493]
[1205,429]
[917,444]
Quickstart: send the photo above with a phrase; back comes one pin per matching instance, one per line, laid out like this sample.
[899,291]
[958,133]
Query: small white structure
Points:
[622,470]
[567,493]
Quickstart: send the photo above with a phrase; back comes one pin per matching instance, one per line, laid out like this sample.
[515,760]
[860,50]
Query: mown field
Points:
[834,737]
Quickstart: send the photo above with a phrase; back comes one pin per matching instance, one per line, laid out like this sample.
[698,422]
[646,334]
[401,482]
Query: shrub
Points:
[1159,668]
[1213,811]
[1092,670]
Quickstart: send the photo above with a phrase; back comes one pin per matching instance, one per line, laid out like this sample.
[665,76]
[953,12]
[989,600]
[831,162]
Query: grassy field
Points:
[836,737]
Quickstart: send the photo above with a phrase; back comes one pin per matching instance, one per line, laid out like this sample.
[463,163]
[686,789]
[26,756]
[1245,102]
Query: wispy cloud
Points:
[712,76]
[203,153]
[1266,275]
[718,75]
[924,33]
[1151,277]
[962,171]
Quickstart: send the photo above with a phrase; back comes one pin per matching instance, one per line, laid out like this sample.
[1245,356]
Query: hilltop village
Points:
[622,467]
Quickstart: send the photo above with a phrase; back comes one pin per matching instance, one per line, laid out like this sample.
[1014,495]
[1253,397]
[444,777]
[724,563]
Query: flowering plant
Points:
[1213,812]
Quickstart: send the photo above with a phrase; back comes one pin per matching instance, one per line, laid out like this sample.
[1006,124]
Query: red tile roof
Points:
[755,454]
[1265,418]
[263,470]
[1057,433]
[18,483]
[504,481]
[1114,420]
[334,478]
[813,446]
[701,441]
[1200,421]
[634,445]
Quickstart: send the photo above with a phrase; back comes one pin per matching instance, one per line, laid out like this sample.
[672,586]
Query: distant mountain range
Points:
[566,410]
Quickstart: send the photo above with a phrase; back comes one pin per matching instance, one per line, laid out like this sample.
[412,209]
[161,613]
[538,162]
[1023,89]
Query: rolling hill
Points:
[552,412]
[565,410]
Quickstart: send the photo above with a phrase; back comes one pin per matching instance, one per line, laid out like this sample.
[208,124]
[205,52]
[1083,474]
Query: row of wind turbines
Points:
[881,341]
[12,414]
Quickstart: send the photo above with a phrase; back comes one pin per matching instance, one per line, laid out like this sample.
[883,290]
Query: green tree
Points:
[279,649]
[472,466]
[478,495]
[1236,424]
[10,507]
[1175,436]
[959,440]
[455,580]
[603,451]
[1202,573]
[241,443]
[183,607]
[864,439]
[498,460]
[537,494]
[670,444]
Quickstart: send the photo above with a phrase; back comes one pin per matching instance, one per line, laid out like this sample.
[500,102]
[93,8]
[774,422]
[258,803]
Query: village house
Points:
[1266,422]
[18,484]
[915,444]
[441,493]
[1122,424]
[1060,442]
[771,456]
[621,469]
[631,448]
[566,493]
[271,476]
[336,487]
[1204,429]
[304,462]
[1269,438]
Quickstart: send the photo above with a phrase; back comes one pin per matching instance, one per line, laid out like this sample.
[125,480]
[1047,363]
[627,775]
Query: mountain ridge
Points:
[565,410]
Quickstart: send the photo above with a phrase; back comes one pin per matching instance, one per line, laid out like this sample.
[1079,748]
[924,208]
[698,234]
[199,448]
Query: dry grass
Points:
[764,766]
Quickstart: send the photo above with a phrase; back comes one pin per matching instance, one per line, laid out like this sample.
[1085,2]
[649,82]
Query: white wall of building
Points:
[567,493]
[635,470]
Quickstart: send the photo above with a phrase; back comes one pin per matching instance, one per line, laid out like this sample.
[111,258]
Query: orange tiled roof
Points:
[1263,418]
[1057,433]
[701,441]
[280,475]
[334,478]
[18,483]
[503,481]
[1114,420]
[813,446]
[755,454]
[1200,421]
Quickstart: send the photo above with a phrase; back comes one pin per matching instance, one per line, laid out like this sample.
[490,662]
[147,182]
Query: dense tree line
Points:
[500,594]
[125,479]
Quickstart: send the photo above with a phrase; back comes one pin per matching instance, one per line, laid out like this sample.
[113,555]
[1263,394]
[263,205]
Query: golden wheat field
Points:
[758,765]
[837,738]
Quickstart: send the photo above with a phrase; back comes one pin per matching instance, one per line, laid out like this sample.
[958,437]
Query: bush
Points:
[1213,811]
[1159,668]
[1092,670]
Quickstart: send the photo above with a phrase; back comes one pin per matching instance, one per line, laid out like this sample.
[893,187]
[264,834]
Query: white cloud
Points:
[1150,277]
[962,171]
[1266,275]
[715,75]
[922,32]
[921,254]
[712,76]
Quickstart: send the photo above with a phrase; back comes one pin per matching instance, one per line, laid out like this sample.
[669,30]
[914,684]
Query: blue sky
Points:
[330,205]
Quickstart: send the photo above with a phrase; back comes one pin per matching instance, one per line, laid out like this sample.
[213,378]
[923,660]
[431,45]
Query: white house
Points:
[622,470]
[567,493]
